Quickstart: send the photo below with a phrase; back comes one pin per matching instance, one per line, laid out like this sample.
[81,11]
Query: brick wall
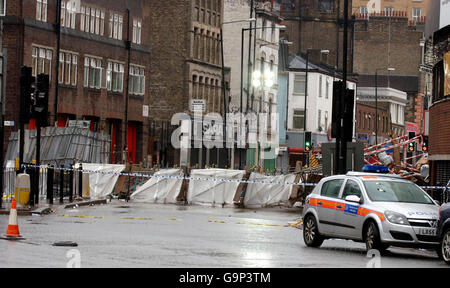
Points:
[78,100]
[439,128]
[374,50]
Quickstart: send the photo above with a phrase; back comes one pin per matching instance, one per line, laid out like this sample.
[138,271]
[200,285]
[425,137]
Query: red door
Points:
[131,142]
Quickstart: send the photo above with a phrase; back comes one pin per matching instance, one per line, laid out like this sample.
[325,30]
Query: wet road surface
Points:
[122,234]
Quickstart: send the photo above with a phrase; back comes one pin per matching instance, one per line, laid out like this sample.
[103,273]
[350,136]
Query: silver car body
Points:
[338,218]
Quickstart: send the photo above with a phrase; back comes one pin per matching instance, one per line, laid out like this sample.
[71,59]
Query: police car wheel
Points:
[372,238]
[311,234]
[445,247]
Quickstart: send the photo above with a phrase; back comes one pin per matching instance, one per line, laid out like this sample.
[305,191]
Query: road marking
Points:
[135,218]
[79,216]
[216,221]
[255,224]
[174,219]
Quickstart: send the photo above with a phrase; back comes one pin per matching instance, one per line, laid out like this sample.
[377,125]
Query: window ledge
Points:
[90,89]
[67,86]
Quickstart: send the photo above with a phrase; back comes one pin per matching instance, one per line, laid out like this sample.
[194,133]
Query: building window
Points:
[389,11]
[327,92]
[299,84]
[41,10]
[299,119]
[2,7]
[42,61]
[137,80]
[92,72]
[115,26]
[326,5]
[417,13]
[320,86]
[319,120]
[137,31]
[114,76]
[92,20]
[363,10]
[68,63]
[68,14]
[197,10]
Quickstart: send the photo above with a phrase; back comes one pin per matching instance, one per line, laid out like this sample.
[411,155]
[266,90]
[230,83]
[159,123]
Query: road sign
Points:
[198,105]
[8,123]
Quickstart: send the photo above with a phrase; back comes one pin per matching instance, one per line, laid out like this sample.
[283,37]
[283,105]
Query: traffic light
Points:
[411,147]
[308,143]
[425,143]
[27,93]
[41,108]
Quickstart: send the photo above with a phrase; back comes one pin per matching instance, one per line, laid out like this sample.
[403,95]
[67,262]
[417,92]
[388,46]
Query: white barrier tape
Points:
[222,180]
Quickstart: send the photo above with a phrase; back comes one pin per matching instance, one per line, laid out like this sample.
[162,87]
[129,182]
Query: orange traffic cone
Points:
[13,226]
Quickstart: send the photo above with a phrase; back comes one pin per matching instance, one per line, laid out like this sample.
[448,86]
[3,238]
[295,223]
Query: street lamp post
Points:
[242,76]
[223,80]
[376,100]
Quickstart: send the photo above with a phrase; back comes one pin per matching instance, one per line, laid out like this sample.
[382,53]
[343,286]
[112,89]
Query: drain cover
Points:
[65,244]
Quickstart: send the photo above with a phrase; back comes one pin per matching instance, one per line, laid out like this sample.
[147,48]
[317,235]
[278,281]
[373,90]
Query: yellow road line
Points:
[79,216]
[135,218]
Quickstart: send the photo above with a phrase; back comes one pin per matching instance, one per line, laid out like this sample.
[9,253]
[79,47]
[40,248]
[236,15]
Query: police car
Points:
[380,210]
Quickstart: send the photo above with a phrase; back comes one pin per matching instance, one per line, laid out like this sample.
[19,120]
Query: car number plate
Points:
[427,232]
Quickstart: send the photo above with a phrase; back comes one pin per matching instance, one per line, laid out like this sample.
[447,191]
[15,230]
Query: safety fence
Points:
[61,184]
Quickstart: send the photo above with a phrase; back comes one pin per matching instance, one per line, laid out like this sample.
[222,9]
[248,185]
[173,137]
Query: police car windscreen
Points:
[392,191]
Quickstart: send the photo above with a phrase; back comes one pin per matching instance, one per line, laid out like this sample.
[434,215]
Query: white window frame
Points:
[41,10]
[414,16]
[2,7]
[300,78]
[115,76]
[41,58]
[298,116]
[137,31]
[137,76]
[116,26]
[69,62]
[92,65]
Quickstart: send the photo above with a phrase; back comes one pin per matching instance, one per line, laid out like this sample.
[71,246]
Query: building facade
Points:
[98,73]
[386,43]
[391,100]
[365,125]
[313,90]
[186,65]
[416,10]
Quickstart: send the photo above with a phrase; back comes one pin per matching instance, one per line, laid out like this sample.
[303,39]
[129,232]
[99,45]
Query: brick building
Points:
[383,42]
[415,9]
[365,117]
[318,24]
[99,41]
[186,64]
[439,152]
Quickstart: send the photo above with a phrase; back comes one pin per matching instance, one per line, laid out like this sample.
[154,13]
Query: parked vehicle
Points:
[381,210]
[443,232]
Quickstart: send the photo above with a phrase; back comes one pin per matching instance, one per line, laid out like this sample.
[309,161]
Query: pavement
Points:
[44,208]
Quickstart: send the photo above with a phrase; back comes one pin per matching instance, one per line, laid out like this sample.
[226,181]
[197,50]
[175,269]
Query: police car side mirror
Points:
[353,198]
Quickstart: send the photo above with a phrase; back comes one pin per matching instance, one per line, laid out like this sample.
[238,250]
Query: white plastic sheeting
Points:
[100,183]
[213,191]
[263,195]
[160,190]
